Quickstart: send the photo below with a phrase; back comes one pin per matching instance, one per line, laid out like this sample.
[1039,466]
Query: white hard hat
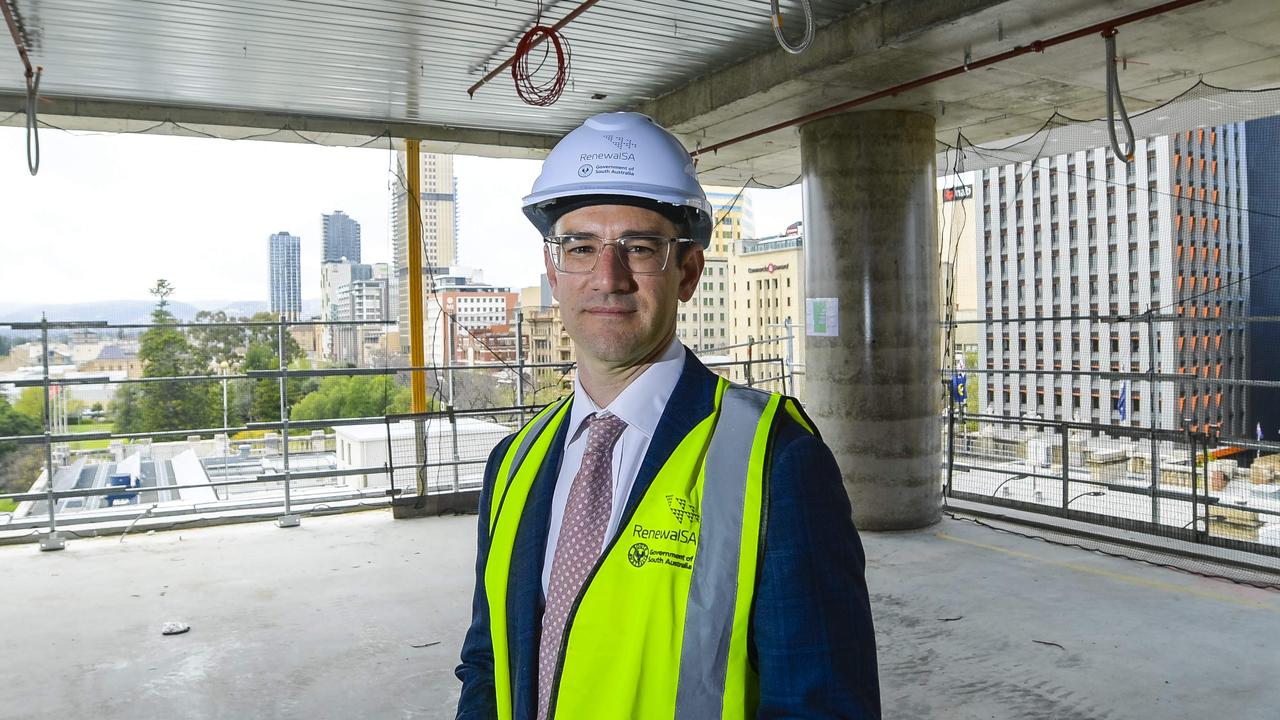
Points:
[620,158]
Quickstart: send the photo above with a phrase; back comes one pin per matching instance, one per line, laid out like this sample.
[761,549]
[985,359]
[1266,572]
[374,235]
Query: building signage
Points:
[770,268]
[959,192]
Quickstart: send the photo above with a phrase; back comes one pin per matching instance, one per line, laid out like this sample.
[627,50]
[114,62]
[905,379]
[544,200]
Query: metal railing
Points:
[1165,469]
[279,468]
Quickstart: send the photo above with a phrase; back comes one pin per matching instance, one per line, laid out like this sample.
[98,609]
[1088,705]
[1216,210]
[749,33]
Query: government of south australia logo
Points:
[585,170]
[639,554]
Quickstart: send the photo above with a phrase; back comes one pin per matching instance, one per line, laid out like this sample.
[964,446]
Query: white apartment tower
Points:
[1083,234]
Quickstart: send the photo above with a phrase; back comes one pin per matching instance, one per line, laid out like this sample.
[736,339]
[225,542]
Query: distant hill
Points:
[122,312]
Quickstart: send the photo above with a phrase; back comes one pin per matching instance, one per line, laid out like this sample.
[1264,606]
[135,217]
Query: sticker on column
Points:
[822,317]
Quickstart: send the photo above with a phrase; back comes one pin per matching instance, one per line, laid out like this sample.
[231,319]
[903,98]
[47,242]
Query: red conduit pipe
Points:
[471,91]
[17,38]
[1037,46]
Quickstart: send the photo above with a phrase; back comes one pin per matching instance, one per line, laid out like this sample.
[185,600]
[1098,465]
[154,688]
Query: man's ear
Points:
[691,272]
[551,271]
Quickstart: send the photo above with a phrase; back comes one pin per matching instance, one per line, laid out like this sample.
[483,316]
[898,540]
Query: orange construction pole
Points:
[417,378]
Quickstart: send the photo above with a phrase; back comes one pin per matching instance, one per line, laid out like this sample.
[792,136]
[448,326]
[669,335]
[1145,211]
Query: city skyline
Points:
[242,179]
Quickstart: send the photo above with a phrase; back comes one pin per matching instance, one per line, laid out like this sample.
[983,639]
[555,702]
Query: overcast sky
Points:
[109,214]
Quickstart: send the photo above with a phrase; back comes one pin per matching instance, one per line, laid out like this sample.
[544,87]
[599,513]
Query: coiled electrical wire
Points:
[541,94]
[807,38]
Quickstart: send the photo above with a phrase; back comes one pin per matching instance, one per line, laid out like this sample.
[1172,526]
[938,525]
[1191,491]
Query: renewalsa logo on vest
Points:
[680,536]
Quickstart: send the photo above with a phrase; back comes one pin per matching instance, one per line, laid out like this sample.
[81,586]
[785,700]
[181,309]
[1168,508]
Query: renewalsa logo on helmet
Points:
[590,157]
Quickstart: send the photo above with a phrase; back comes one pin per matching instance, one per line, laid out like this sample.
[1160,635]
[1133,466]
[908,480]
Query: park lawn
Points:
[8,505]
[87,428]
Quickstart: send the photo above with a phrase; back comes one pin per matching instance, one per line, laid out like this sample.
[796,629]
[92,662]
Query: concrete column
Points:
[870,243]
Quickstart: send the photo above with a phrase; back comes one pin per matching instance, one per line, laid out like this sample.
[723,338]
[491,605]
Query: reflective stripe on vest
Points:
[660,628]
[713,590]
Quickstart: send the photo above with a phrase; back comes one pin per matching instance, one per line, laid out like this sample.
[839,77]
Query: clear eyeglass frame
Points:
[628,248]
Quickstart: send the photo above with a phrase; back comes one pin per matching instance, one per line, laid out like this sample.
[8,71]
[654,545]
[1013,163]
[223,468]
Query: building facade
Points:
[340,238]
[285,253]
[1088,244]
[702,324]
[547,343]
[460,308]
[1263,156]
[766,308]
[959,278]
[439,209]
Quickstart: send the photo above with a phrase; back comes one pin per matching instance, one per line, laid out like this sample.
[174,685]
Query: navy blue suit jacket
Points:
[811,638]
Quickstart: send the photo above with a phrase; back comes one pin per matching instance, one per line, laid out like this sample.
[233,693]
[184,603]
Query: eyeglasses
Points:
[640,254]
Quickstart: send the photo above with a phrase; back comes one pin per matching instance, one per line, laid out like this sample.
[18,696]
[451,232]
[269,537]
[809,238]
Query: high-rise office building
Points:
[703,323]
[1264,288]
[439,209]
[352,292]
[286,275]
[1083,234]
[341,238]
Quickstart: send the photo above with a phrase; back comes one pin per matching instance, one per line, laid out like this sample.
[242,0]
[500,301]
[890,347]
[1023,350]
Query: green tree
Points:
[214,344]
[126,409]
[359,396]
[19,464]
[6,344]
[165,352]
[31,403]
[13,422]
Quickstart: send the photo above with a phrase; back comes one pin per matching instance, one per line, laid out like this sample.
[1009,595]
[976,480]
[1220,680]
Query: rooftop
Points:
[358,615]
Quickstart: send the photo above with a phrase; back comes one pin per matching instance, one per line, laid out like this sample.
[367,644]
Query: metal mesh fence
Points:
[261,416]
[1114,355]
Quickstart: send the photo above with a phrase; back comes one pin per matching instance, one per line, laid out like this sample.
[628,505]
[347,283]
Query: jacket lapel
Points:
[692,400]
[525,602]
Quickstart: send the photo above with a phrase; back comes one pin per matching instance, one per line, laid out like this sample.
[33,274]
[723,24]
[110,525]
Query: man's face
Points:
[615,317]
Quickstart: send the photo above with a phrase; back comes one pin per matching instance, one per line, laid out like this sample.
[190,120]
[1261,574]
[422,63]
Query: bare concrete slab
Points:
[321,622]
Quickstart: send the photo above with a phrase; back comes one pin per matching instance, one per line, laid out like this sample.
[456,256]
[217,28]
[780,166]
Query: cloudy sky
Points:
[109,214]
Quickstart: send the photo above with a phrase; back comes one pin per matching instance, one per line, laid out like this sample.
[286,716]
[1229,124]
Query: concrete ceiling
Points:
[342,74]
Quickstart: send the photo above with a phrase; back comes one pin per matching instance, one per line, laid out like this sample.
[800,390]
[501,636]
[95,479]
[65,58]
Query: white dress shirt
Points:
[640,406]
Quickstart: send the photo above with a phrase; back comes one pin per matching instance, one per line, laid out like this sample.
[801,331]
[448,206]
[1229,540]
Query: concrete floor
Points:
[320,622]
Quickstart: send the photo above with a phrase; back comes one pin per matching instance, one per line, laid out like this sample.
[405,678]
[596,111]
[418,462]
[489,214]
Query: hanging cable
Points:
[33,127]
[547,92]
[33,89]
[1116,100]
[776,15]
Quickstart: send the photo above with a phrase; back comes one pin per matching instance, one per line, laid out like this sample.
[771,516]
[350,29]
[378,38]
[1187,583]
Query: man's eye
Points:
[641,250]
[579,249]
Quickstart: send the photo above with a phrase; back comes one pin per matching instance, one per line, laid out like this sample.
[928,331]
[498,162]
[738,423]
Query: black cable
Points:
[1116,100]
[33,125]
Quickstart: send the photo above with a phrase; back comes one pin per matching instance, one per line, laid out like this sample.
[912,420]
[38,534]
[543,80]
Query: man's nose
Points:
[610,275]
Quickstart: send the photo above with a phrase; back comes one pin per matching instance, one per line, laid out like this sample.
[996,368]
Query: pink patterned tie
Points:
[581,540]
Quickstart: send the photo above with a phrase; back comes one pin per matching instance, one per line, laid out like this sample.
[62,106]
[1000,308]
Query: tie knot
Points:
[603,430]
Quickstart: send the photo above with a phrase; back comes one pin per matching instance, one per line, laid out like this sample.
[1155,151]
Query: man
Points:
[659,544]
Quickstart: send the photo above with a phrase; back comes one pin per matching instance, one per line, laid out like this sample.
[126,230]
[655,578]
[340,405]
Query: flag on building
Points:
[959,388]
[1122,403]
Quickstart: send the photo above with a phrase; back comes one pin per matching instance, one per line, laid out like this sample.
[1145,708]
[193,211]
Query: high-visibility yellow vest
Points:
[660,627]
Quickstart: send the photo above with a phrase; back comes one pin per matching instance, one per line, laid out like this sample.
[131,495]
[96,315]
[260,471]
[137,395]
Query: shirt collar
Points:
[640,404]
